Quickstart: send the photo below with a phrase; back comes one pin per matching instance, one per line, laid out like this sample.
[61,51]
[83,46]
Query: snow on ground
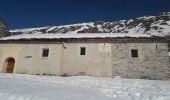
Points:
[30,87]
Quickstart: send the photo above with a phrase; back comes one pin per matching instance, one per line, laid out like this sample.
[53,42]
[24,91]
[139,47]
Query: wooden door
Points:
[10,65]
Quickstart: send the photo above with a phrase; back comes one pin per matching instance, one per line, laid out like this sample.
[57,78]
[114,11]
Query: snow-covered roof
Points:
[81,35]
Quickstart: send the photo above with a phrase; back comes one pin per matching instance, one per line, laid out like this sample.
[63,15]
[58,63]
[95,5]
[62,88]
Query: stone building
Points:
[101,55]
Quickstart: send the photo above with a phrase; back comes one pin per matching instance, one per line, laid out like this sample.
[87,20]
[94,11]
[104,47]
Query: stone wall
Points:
[152,62]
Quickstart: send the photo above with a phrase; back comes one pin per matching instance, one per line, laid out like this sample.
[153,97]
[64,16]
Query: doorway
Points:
[9,62]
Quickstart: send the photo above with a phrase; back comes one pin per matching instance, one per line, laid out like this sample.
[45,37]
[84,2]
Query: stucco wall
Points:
[31,60]
[95,62]
[9,51]
[101,59]
[28,58]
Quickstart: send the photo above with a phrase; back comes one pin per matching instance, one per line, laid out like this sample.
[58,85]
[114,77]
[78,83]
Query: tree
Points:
[3,31]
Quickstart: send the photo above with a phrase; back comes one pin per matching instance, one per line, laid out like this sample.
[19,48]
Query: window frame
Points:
[82,51]
[134,53]
[45,52]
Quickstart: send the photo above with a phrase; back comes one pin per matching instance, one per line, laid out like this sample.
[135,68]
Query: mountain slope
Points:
[158,25]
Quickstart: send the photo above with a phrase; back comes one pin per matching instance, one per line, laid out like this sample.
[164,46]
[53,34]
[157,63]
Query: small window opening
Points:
[82,51]
[156,47]
[45,52]
[134,53]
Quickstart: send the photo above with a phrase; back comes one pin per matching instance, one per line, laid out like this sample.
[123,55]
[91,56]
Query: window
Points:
[82,51]
[45,52]
[134,53]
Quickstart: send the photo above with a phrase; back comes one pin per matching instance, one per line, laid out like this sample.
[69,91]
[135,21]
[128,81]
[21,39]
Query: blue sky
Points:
[35,13]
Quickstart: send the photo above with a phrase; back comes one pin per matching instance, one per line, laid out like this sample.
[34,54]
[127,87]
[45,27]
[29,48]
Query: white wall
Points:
[101,59]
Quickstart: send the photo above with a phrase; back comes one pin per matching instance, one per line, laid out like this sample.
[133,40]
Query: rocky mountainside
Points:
[158,25]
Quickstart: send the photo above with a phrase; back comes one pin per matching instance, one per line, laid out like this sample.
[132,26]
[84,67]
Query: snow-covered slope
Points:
[30,87]
[158,25]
